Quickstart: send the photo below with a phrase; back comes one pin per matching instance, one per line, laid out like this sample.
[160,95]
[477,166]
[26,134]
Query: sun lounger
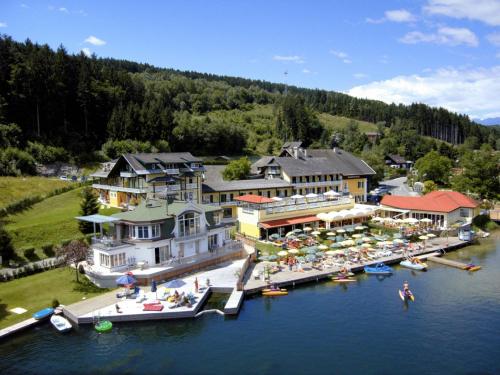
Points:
[152,307]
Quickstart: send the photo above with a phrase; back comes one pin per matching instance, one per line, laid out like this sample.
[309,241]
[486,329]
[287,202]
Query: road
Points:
[398,186]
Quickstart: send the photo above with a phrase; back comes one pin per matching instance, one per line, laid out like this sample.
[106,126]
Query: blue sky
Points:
[440,52]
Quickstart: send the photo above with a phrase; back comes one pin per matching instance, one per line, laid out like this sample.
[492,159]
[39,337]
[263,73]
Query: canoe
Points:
[409,296]
[273,290]
[414,266]
[60,323]
[103,326]
[343,280]
[379,269]
[42,314]
[274,293]
[474,268]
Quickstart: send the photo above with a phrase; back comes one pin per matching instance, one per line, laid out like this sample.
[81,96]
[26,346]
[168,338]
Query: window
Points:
[141,231]
[231,197]
[227,213]
[223,198]
[212,241]
[361,184]
[211,198]
[189,224]
[464,212]
[115,260]
[155,230]
[217,219]
[227,234]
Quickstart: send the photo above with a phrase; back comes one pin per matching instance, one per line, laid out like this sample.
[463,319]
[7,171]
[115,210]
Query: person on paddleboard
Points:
[406,288]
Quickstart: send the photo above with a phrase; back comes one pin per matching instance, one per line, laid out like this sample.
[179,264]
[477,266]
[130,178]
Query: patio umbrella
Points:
[430,235]
[336,245]
[331,193]
[411,220]
[274,236]
[311,195]
[127,279]
[367,239]
[297,230]
[303,236]
[330,252]
[340,230]
[301,259]
[331,234]
[272,257]
[423,238]
[426,220]
[378,219]
[357,235]
[322,247]
[297,196]
[154,288]
[289,234]
[398,240]
[310,257]
[360,227]
[349,230]
[307,229]
[277,199]
[282,253]
[366,245]
[293,251]
[263,258]
[315,233]
[348,243]
[177,283]
[331,238]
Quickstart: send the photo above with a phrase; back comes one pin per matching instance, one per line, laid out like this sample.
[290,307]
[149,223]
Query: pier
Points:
[21,326]
[453,263]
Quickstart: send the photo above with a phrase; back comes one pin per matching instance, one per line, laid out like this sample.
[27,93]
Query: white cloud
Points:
[384,59]
[359,75]
[95,41]
[306,71]
[296,59]
[64,10]
[399,15]
[445,35]
[487,11]
[3,24]
[344,57]
[497,55]
[460,90]
[24,6]
[87,52]
[494,38]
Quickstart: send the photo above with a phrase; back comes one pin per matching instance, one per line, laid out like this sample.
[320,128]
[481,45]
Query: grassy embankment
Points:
[36,292]
[48,222]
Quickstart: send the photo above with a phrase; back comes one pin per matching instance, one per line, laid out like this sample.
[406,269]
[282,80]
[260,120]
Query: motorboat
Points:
[60,323]
[43,314]
[378,269]
[274,293]
[418,265]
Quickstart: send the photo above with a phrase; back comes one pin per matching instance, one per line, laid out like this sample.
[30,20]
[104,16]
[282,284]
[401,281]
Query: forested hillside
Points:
[79,103]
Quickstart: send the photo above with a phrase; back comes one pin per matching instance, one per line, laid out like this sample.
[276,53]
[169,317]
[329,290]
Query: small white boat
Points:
[414,266]
[60,323]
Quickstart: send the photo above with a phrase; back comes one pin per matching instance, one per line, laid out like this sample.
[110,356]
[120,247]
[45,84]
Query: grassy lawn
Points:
[17,188]
[36,292]
[48,222]
[339,122]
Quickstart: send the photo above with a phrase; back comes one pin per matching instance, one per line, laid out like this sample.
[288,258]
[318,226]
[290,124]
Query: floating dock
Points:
[18,327]
[453,263]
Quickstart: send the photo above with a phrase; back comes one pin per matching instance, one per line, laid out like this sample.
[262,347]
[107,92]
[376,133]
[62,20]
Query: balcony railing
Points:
[191,236]
[133,190]
[315,183]
[128,174]
[306,205]
[217,204]
[107,243]
[171,171]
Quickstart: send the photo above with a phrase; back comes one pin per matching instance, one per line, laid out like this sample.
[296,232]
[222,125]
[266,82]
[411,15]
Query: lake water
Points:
[453,327]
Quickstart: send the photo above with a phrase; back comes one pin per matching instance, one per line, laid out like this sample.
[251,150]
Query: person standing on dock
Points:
[196,286]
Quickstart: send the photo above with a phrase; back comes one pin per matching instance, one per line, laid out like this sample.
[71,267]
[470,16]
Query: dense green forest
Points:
[79,103]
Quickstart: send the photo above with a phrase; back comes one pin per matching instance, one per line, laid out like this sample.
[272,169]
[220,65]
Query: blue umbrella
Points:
[126,280]
[311,251]
[272,257]
[310,258]
[153,288]
[175,283]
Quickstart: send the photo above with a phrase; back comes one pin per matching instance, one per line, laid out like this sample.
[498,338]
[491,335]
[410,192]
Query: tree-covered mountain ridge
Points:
[79,103]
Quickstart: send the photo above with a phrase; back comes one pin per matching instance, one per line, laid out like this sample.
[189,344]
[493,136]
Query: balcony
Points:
[141,190]
[315,183]
[193,236]
[128,174]
[191,186]
[103,243]
[278,208]
[172,171]
[220,204]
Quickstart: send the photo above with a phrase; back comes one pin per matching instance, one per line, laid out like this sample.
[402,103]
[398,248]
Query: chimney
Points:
[295,153]
[305,152]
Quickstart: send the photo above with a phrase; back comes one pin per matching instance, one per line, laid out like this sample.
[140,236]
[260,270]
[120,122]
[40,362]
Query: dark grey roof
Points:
[346,163]
[291,144]
[397,158]
[306,167]
[138,161]
[213,173]
[235,185]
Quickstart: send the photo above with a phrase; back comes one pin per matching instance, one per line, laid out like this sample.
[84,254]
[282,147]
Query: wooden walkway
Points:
[453,263]
[292,278]
[18,327]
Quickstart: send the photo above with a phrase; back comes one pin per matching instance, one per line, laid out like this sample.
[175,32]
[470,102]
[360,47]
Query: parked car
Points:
[64,178]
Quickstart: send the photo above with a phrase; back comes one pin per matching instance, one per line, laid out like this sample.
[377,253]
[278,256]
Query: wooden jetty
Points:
[21,326]
[454,263]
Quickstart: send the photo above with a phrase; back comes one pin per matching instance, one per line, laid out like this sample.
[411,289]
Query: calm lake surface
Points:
[453,327]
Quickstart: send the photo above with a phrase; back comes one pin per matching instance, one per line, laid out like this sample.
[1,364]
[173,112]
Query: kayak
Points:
[103,326]
[378,269]
[345,274]
[267,290]
[274,293]
[42,314]
[60,323]
[414,266]
[409,296]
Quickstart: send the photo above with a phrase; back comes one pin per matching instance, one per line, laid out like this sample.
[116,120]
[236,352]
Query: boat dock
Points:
[453,263]
[21,326]
[287,278]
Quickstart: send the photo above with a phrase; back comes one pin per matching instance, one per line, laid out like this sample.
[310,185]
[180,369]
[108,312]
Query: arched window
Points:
[189,224]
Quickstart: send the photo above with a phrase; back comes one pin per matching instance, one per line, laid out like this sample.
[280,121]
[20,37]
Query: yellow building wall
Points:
[352,185]
[249,229]
[263,216]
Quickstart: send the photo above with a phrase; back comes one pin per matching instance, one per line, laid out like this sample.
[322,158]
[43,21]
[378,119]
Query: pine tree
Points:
[88,206]
[6,248]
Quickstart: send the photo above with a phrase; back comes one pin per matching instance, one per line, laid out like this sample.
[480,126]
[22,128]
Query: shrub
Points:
[48,250]
[29,253]
[55,303]
[65,242]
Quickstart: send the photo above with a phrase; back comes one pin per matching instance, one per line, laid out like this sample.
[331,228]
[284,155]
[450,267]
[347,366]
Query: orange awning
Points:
[291,221]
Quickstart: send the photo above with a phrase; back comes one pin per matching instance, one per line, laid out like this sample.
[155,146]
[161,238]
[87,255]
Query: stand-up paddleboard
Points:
[403,297]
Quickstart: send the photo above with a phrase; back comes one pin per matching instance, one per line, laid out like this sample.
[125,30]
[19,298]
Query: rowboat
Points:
[42,314]
[273,290]
[378,269]
[60,323]
[343,280]
[419,266]
[103,326]
[275,293]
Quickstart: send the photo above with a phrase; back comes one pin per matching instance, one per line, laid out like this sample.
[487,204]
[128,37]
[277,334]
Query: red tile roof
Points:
[291,221]
[250,198]
[436,201]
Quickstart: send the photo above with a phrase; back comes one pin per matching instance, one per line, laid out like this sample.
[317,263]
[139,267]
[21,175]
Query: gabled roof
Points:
[250,198]
[291,145]
[436,201]
[253,184]
[344,162]
[156,209]
[397,158]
